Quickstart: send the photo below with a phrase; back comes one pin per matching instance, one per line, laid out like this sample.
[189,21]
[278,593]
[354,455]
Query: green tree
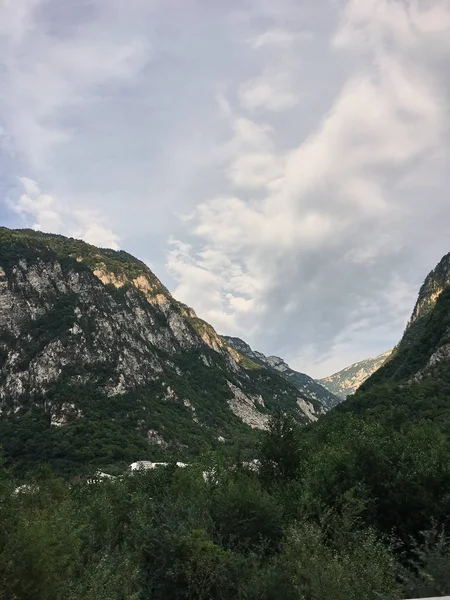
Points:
[280,450]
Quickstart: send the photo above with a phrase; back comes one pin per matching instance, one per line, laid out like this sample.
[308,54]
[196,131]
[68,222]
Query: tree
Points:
[280,451]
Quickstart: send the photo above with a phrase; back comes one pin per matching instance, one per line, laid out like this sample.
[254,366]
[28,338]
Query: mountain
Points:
[346,382]
[423,351]
[304,383]
[425,342]
[100,365]
[387,447]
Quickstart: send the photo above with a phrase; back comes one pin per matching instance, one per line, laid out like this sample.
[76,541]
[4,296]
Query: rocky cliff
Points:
[346,382]
[433,286]
[312,389]
[99,363]
[424,349]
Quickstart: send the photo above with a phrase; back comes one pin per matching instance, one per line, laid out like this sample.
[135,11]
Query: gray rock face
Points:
[346,382]
[433,286]
[99,329]
[315,398]
[75,315]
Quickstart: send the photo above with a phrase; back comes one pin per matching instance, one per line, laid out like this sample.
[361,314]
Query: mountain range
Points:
[101,366]
[304,383]
[99,363]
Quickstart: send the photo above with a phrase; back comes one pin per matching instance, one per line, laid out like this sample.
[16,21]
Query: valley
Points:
[146,456]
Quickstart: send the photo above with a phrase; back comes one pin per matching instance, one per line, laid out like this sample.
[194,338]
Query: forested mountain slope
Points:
[304,383]
[99,363]
[354,506]
[425,341]
[423,351]
[386,449]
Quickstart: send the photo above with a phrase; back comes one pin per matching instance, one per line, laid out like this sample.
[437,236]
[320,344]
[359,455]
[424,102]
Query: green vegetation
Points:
[111,432]
[355,506]
[360,516]
[23,243]
[248,364]
[420,341]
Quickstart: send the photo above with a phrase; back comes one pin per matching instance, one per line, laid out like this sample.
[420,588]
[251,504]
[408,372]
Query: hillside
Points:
[423,351]
[99,364]
[353,506]
[348,380]
[304,383]
[387,447]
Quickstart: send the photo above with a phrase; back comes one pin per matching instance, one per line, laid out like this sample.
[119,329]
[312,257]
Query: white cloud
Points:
[31,187]
[16,18]
[272,91]
[92,229]
[321,241]
[43,209]
[253,162]
[408,25]
[256,170]
[48,214]
[276,37]
[63,73]
[230,294]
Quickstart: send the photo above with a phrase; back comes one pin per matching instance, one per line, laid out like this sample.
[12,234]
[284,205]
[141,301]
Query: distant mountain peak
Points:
[348,380]
[311,390]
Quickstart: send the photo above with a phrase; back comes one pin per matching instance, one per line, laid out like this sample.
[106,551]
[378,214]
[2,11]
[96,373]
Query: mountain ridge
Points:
[345,382]
[425,343]
[303,382]
[97,357]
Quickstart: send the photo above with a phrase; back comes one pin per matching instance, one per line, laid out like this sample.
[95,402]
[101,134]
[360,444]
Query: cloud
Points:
[46,213]
[272,91]
[325,244]
[276,37]
[251,155]
[64,73]
[379,24]
[17,18]
[43,209]
[230,291]
[310,169]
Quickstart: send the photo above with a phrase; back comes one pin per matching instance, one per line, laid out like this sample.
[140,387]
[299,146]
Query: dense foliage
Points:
[347,509]
[23,243]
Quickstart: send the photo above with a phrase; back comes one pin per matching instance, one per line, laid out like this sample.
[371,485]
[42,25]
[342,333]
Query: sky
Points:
[282,167]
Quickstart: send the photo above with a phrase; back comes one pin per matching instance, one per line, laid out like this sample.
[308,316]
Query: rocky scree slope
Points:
[100,364]
[346,382]
[312,390]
